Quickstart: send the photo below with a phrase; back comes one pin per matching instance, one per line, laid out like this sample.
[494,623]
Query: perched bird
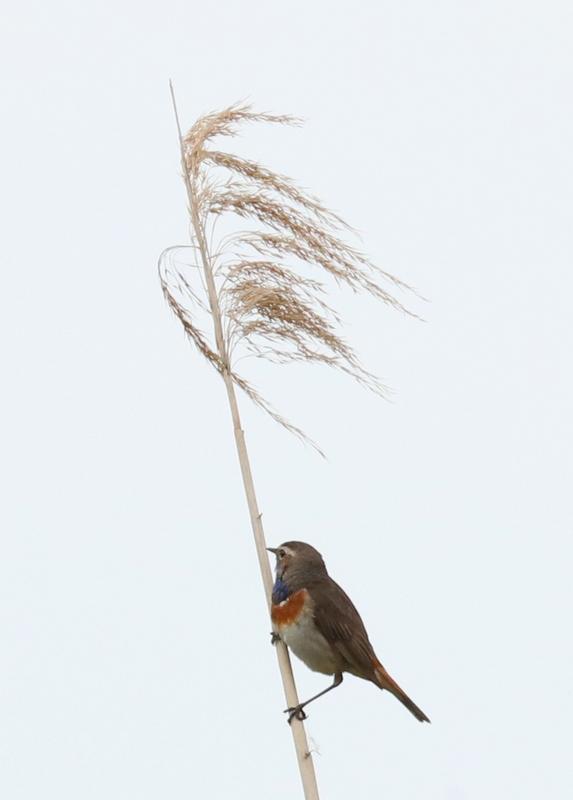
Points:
[318,621]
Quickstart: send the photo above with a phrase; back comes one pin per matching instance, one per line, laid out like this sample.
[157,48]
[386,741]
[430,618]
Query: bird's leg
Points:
[275,637]
[297,712]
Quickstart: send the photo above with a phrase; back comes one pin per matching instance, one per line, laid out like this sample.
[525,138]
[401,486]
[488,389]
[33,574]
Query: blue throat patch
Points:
[280,591]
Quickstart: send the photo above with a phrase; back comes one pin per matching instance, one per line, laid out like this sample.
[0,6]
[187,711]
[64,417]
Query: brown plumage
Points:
[326,631]
[341,625]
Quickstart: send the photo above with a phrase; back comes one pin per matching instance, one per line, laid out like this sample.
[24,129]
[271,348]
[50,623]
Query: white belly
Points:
[308,644]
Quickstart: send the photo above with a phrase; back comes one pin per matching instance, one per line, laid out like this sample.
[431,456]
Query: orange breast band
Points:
[288,612]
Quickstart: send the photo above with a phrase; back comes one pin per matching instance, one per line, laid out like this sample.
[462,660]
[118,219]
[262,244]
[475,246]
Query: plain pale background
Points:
[135,650]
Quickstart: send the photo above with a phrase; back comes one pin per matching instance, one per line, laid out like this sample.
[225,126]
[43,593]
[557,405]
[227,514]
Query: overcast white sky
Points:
[135,651]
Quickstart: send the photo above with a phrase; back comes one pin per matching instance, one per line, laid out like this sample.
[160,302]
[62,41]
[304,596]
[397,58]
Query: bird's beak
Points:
[272,550]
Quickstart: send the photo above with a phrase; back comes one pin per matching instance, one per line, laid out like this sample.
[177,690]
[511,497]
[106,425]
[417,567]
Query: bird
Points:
[317,620]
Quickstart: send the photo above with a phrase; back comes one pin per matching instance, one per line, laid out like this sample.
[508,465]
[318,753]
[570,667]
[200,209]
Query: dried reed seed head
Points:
[281,184]
[224,123]
[269,306]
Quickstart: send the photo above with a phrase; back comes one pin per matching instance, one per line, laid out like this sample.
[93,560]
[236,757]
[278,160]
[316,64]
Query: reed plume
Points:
[262,290]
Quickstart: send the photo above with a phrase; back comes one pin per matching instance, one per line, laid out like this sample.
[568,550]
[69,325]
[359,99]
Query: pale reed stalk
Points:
[265,295]
[303,754]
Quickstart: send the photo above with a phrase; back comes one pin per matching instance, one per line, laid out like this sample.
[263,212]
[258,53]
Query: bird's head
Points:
[296,558]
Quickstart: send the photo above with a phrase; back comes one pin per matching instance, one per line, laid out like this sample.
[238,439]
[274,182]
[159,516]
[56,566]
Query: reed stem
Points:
[304,757]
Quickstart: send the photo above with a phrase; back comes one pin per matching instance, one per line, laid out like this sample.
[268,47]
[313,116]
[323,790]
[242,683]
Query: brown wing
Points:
[339,622]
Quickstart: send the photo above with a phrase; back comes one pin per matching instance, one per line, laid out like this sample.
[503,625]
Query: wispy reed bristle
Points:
[270,306]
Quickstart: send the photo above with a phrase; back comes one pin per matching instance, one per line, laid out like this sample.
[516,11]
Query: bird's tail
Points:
[384,681]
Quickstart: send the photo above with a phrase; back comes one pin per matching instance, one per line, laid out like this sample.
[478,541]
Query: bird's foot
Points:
[296,712]
[275,638]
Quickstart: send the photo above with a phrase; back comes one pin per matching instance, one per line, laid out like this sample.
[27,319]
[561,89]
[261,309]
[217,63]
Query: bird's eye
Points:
[281,553]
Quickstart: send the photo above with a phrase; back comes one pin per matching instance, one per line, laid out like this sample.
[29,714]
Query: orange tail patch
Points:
[385,681]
